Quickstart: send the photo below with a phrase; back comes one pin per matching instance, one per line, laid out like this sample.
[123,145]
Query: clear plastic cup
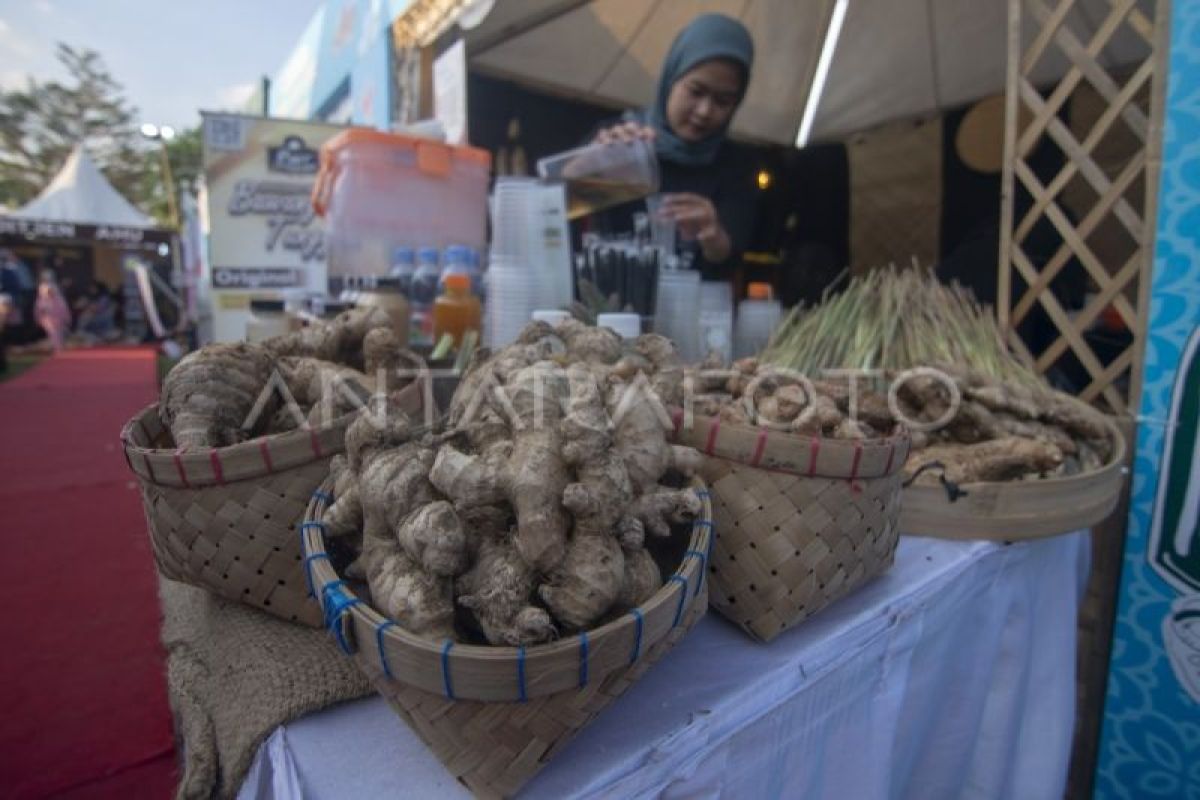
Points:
[662,231]
[512,298]
[602,175]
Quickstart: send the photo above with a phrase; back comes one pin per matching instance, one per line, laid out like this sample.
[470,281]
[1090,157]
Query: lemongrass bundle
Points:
[893,319]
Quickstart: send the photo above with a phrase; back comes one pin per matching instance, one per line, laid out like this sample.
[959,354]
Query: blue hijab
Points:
[708,36]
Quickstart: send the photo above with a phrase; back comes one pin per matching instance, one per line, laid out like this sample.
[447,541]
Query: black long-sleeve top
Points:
[729,182]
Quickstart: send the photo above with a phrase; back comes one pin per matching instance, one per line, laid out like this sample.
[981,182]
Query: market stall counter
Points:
[951,675]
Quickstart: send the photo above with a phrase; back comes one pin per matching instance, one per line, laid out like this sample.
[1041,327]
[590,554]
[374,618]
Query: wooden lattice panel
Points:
[1110,231]
[1105,117]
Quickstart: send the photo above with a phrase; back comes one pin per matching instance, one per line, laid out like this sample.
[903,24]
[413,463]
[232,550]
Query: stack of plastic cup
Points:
[716,319]
[512,299]
[514,208]
[675,312]
[529,225]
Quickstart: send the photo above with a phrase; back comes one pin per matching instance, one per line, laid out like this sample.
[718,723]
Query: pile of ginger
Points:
[966,426]
[227,393]
[536,506]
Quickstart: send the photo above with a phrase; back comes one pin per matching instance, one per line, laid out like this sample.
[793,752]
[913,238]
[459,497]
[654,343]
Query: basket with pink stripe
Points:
[800,520]
[226,519]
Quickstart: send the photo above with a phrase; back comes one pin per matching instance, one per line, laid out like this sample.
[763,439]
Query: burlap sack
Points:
[235,674]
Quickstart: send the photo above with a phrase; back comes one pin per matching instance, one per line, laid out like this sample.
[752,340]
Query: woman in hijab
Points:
[707,183]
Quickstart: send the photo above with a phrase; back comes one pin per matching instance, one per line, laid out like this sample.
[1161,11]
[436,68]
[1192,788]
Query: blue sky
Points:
[174,57]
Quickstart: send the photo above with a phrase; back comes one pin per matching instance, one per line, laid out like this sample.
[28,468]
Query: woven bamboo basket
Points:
[800,520]
[494,716]
[225,519]
[1017,510]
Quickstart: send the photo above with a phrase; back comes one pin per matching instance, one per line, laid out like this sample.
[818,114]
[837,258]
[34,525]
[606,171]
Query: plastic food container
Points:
[380,191]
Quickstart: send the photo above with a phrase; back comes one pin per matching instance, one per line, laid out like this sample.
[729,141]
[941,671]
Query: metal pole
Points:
[168,183]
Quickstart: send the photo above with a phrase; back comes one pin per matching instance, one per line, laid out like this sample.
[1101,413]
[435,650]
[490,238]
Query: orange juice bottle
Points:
[456,310]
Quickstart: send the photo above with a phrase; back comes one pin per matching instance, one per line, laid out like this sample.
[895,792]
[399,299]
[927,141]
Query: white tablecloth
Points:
[953,676]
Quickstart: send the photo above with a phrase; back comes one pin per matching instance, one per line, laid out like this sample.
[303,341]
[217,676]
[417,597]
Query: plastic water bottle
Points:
[757,317]
[477,265]
[349,293]
[404,265]
[460,260]
[422,293]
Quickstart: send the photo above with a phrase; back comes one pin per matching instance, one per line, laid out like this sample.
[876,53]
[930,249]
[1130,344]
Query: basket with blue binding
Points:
[494,715]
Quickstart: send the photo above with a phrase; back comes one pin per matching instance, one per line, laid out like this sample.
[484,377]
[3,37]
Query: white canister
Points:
[268,318]
[629,326]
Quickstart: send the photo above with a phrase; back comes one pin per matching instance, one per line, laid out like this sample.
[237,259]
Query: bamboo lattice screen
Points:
[1123,190]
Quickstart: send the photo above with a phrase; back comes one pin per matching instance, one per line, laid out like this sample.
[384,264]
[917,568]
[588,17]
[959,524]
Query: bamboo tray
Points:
[1018,510]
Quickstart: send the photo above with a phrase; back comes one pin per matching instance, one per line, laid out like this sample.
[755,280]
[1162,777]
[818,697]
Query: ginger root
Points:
[340,341]
[641,579]
[603,489]
[209,395]
[996,460]
[587,581]
[531,476]
[345,515]
[534,501]
[498,590]
[433,536]
[658,509]
[418,601]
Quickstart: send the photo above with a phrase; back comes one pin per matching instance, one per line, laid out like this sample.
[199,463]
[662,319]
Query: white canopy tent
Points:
[890,59]
[81,212]
[81,194]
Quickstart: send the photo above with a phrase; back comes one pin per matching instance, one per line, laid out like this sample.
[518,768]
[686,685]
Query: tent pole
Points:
[1004,265]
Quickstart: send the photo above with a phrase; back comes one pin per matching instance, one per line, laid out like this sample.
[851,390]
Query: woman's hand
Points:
[696,218]
[625,132]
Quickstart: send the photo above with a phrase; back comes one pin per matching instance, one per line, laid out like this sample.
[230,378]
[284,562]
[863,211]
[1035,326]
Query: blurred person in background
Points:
[17,282]
[51,311]
[6,306]
[95,314]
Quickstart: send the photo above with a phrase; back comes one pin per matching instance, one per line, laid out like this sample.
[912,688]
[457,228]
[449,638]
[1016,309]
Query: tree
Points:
[40,125]
[185,155]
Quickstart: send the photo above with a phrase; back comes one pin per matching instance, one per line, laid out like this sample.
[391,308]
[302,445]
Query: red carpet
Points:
[82,677]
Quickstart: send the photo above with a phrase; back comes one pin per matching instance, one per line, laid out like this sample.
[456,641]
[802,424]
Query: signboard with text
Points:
[39,230]
[264,238]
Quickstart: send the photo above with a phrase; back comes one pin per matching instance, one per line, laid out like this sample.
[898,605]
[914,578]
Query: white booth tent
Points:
[890,59]
[81,194]
[79,210]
